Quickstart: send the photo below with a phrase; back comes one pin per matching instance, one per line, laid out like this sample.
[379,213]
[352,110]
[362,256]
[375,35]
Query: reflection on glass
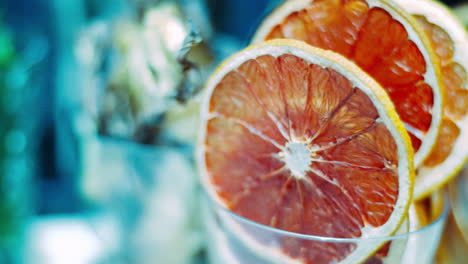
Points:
[236,240]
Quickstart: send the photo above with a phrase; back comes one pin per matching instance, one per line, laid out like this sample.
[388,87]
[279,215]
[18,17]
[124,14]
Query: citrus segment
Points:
[384,41]
[450,42]
[448,134]
[302,140]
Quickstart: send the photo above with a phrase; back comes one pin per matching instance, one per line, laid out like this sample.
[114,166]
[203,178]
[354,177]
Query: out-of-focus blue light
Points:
[15,141]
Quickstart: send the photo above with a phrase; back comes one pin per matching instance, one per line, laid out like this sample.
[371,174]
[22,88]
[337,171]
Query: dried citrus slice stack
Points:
[301,139]
[450,41]
[384,41]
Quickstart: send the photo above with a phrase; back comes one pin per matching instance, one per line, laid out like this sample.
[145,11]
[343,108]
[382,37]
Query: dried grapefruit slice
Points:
[450,42]
[384,41]
[301,139]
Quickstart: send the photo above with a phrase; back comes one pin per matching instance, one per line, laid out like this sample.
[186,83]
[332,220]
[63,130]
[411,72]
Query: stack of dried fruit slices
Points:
[312,130]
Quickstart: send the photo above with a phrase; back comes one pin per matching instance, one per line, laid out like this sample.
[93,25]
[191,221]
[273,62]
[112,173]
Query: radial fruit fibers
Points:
[384,41]
[301,139]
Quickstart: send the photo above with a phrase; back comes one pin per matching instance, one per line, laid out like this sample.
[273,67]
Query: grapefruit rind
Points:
[415,33]
[358,78]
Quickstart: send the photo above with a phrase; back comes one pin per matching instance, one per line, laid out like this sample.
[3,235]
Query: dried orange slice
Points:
[384,41]
[301,139]
[450,41]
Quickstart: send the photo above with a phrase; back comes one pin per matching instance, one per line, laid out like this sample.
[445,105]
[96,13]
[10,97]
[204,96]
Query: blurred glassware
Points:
[137,69]
[138,73]
[53,239]
[21,73]
[151,193]
[458,193]
[453,247]
[233,239]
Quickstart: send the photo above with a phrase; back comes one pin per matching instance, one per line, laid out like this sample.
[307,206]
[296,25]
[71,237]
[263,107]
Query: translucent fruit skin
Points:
[351,179]
[378,44]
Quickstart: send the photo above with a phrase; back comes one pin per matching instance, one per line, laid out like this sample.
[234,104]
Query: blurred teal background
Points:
[47,208]
[45,156]
[57,23]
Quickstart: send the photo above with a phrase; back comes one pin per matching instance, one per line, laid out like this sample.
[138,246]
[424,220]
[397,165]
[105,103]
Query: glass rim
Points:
[440,219]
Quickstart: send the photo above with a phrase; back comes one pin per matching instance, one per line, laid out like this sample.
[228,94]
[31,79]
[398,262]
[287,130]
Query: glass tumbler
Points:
[233,239]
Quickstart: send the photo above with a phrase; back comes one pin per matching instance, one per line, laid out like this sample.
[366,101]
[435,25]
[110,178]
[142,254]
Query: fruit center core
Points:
[297,157]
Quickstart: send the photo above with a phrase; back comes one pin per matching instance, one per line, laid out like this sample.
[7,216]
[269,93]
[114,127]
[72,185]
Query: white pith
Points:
[358,78]
[414,33]
[297,157]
